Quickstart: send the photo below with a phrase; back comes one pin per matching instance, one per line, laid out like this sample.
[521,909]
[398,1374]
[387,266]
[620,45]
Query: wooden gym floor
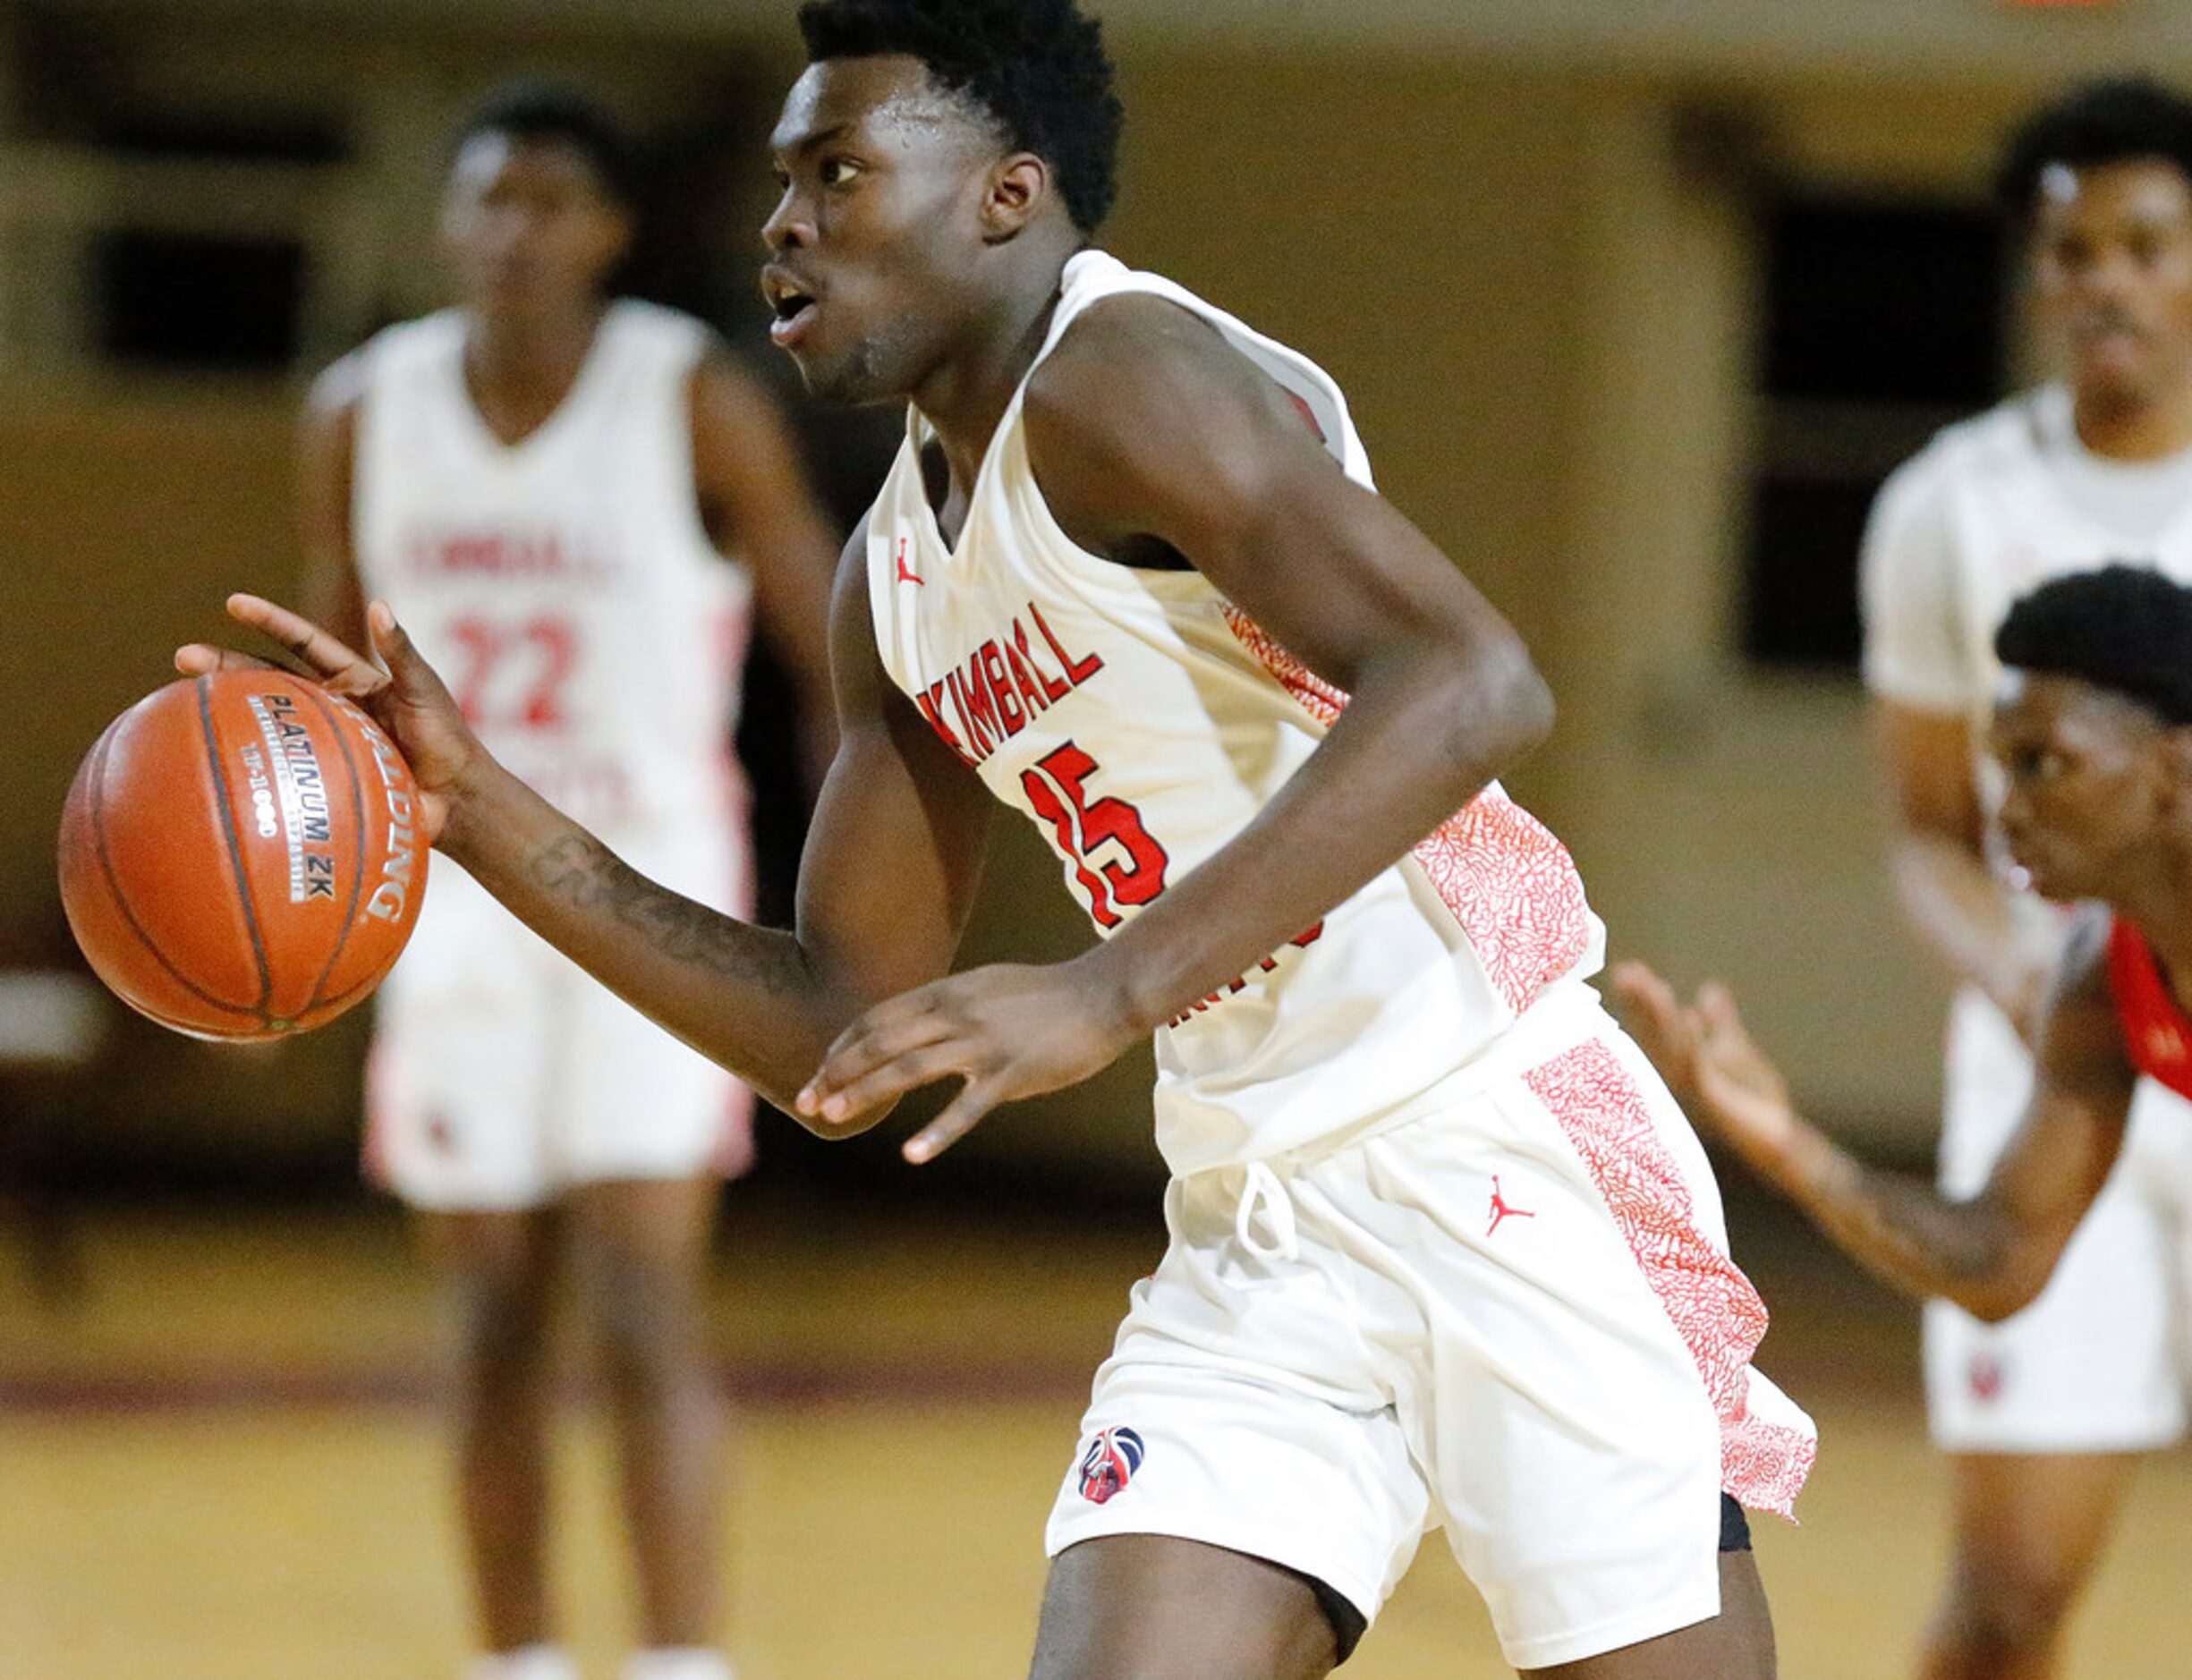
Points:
[221,1464]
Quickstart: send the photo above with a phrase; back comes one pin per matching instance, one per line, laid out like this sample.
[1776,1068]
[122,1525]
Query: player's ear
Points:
[2177,754]
[613,236]
[1019,187]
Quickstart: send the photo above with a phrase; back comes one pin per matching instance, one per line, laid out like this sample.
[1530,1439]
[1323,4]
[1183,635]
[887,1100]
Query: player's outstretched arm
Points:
[891,861]
[1155,441]
[1991,1255]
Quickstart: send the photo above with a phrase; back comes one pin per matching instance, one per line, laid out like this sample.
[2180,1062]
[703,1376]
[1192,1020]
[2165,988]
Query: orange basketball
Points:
[239,855]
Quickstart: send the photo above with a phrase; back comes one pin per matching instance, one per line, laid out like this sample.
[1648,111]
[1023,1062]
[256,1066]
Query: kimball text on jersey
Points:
[1002,684]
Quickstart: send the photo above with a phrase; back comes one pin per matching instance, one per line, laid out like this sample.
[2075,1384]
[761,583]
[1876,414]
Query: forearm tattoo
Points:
[579,871]
[1904,1230]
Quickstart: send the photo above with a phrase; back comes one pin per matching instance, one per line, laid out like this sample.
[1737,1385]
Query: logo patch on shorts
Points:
[1502,1210]
[1110,1464]
[1988,1374]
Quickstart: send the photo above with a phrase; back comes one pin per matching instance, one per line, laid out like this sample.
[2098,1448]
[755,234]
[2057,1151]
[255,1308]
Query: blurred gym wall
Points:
[1542,245]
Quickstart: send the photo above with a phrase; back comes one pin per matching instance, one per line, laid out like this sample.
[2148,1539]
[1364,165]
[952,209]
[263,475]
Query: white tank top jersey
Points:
[1990,509]
[1140,720]
[1993,507]
[564,585]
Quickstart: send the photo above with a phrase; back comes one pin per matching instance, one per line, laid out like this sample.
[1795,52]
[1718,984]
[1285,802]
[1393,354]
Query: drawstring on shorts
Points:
[1262,1195]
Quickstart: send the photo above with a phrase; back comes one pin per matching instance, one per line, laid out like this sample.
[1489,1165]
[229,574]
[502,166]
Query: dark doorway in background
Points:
[1883,321]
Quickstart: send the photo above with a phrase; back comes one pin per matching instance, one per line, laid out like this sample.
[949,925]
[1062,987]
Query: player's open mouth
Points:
[792,304]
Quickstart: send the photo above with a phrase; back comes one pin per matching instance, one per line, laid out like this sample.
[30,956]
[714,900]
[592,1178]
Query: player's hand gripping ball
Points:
[240,857]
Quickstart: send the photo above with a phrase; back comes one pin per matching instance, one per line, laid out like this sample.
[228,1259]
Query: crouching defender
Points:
[2092,730]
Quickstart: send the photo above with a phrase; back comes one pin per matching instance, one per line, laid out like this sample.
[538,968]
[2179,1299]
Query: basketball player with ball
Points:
[546,483]
[1443,1250]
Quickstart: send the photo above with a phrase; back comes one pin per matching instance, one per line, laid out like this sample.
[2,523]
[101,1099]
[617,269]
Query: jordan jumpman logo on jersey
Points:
[906,572]
[1501,1212]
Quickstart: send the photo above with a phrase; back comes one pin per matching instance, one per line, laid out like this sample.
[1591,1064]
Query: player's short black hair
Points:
[2125,629]
[537,109]
[2114,121]
[1037,67]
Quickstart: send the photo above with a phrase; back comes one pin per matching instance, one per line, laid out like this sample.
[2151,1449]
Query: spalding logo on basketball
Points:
[1110,1464]
[241,855]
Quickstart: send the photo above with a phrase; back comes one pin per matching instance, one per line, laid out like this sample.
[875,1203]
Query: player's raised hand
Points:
[1008,1030]
[1712,1062]
[402,693]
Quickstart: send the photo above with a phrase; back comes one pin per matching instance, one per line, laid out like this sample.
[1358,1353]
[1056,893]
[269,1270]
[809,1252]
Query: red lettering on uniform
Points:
[1202,1005]
[1300,941]
[1270,964]
[935,706]
[1043,801]
[1077,673]
[502,554]
[981,708]
[1096,822]
[554,644]
[928,705]
[1022,681]
[1002,688]
[1053,690]
[978,744]
[1008,707]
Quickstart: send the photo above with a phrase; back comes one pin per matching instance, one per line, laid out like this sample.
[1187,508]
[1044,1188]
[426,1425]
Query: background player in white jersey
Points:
[2043,1413]
[548,481]
[1443,1249]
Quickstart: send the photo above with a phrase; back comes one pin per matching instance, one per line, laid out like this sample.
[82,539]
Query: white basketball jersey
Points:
[564,585]
[1140,720]
[1991,508]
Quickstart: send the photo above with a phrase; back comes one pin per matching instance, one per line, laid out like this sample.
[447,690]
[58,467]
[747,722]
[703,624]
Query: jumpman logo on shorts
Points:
[1501,1212]
[906,574]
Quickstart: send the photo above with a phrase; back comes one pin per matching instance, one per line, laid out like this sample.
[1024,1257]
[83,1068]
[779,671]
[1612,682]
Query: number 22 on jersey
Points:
[514,675]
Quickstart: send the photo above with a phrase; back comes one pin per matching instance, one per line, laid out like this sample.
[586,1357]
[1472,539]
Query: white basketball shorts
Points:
[502,1075]
[1514,1317]
[2095,1364]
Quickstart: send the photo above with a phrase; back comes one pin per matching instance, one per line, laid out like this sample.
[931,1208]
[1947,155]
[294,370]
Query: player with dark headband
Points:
[2092,731]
